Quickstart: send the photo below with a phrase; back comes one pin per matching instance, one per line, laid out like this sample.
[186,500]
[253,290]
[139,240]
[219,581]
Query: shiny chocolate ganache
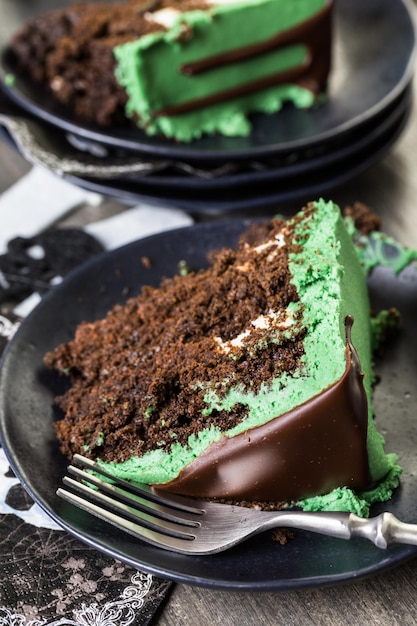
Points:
[318,446]
[313,33]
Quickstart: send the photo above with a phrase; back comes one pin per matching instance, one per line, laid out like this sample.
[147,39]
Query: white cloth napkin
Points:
[41,198]
[35,202]
[132,224]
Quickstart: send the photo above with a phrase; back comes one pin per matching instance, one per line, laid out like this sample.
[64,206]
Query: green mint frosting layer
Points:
[344,499]
[148,68]
[331,284]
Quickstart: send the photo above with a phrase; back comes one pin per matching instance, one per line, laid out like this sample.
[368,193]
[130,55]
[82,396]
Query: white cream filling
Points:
[277,320]
[278,241]
[164,17]
[168,16]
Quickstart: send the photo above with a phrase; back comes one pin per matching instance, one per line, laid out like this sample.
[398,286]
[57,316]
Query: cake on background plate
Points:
[179,68]
[247,381]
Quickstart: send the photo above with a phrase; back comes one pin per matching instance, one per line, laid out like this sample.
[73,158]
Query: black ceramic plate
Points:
[294,166]
[61,154]
[256,192]
[26,415]
[373,61]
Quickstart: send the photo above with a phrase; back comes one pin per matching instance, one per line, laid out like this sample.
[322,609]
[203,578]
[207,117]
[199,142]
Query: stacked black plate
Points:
[291,155]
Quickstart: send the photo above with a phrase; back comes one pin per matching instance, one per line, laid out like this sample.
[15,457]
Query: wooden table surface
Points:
[390,188]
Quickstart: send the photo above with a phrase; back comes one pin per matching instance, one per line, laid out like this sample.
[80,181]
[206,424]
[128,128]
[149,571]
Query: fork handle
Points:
[383,529]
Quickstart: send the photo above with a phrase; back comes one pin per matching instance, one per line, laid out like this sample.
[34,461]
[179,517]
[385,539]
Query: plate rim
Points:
[266,201]
[336,154]
[253,172]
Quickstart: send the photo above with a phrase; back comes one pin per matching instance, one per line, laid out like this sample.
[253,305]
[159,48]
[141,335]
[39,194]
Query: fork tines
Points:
[194,527]
[131,507]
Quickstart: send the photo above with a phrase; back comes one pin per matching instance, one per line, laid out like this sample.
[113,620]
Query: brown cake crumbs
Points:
[139,376]
[365,220]
[282,535]
[70,52]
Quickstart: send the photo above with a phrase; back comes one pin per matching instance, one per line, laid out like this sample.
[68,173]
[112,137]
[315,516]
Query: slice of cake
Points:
[180,68]
[250,380]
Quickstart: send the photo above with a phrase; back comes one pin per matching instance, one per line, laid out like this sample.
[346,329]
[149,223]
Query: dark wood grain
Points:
[384,600]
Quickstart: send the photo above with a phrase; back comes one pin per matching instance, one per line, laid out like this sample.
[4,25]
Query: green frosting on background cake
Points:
[379,249]
[150,68]
[179,68]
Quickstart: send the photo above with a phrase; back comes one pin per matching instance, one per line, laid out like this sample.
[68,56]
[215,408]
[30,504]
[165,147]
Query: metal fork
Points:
[190,526]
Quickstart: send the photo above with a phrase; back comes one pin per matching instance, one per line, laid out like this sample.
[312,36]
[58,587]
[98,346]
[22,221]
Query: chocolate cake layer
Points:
[237,381]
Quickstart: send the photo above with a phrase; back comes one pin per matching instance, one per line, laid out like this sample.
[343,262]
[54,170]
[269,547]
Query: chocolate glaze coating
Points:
[318,446]
[312,74]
